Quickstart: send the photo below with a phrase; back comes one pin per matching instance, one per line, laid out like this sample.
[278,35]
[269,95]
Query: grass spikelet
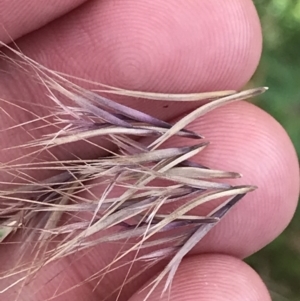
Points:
[157,220]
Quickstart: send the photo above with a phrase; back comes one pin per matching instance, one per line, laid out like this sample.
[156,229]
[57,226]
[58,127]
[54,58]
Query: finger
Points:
[203,46]
[243,139]
[212,277]
[34,14]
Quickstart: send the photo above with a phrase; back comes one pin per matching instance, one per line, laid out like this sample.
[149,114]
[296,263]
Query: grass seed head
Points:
[36,207]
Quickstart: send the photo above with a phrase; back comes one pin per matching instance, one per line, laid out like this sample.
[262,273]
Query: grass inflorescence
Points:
[151,216]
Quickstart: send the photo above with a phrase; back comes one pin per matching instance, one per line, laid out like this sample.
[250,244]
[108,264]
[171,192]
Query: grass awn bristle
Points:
[36,207]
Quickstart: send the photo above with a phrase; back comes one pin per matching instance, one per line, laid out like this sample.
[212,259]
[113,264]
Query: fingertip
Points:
[247,140]
[161,46]
[212,277]
[178,46]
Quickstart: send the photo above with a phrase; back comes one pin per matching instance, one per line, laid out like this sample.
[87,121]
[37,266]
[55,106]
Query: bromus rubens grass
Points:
[62,215]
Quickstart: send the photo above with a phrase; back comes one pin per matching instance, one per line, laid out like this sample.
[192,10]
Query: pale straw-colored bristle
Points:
[36,206]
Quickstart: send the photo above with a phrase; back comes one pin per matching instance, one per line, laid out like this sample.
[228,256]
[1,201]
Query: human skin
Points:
[167,46]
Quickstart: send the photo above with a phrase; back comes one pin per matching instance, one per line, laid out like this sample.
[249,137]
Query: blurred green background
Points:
[279,263]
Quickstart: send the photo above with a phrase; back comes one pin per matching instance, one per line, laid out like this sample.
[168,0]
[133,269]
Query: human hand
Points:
[166,46]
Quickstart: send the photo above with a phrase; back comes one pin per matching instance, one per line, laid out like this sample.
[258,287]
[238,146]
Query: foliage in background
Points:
[279,263]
